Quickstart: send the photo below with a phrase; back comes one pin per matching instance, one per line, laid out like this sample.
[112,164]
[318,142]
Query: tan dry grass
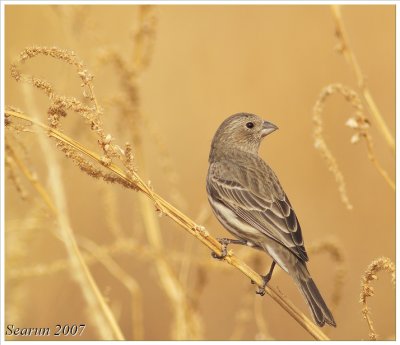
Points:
[344,48]
[194,229]
[101,166]
[358,122]
[128,177]
[187,324]
[98,309]
[378,265]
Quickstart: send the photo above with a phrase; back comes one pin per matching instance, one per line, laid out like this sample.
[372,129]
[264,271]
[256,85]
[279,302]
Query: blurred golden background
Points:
[191,67]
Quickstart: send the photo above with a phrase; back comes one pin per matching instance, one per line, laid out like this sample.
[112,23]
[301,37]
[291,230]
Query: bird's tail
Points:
[319,309]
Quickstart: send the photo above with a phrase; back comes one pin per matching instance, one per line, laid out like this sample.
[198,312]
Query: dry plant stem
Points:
[359,123]
[34,181]
[185,324]
[100,311]
[124,246]
[121,246]
[185,222]
[352,60]
[11,167]
[17,252]
[109,327]
[321,145]
[185,318]
[376,266]
[375,162]
[126,279]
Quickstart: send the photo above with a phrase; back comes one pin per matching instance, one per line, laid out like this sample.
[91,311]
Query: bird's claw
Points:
[261,289]
[219,257]
[224,253]
[224,243]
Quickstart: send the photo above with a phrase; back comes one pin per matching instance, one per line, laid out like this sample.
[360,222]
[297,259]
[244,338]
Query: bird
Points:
[249,201]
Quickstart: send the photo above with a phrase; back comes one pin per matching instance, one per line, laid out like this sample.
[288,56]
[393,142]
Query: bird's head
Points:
[242,131]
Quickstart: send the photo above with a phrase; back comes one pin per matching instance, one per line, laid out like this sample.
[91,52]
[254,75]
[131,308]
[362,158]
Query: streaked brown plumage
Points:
[247,198]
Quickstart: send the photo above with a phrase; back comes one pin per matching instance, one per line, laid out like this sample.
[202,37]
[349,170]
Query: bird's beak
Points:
[268,128]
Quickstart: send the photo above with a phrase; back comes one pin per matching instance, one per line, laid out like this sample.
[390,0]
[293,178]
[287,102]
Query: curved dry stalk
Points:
[321,145]
[132,180]
[358,122]
[376,266]
[346,50]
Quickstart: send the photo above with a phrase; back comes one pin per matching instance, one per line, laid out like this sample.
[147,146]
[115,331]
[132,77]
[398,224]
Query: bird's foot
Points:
[261,290]
[219,257]
[224,245]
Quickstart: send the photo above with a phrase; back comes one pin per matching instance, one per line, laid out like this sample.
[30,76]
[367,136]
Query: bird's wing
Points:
[258,201]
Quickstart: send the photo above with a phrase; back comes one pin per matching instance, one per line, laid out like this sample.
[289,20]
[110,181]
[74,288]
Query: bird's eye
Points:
[249,124]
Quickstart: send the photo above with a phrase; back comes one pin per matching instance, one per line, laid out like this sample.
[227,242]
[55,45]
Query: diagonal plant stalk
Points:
[135,182]
[35,183]
[125,278]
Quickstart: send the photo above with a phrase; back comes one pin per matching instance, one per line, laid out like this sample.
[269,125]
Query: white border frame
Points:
[198,2]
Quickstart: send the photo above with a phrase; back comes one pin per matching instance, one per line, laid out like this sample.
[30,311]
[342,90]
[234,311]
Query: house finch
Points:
[248,200]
